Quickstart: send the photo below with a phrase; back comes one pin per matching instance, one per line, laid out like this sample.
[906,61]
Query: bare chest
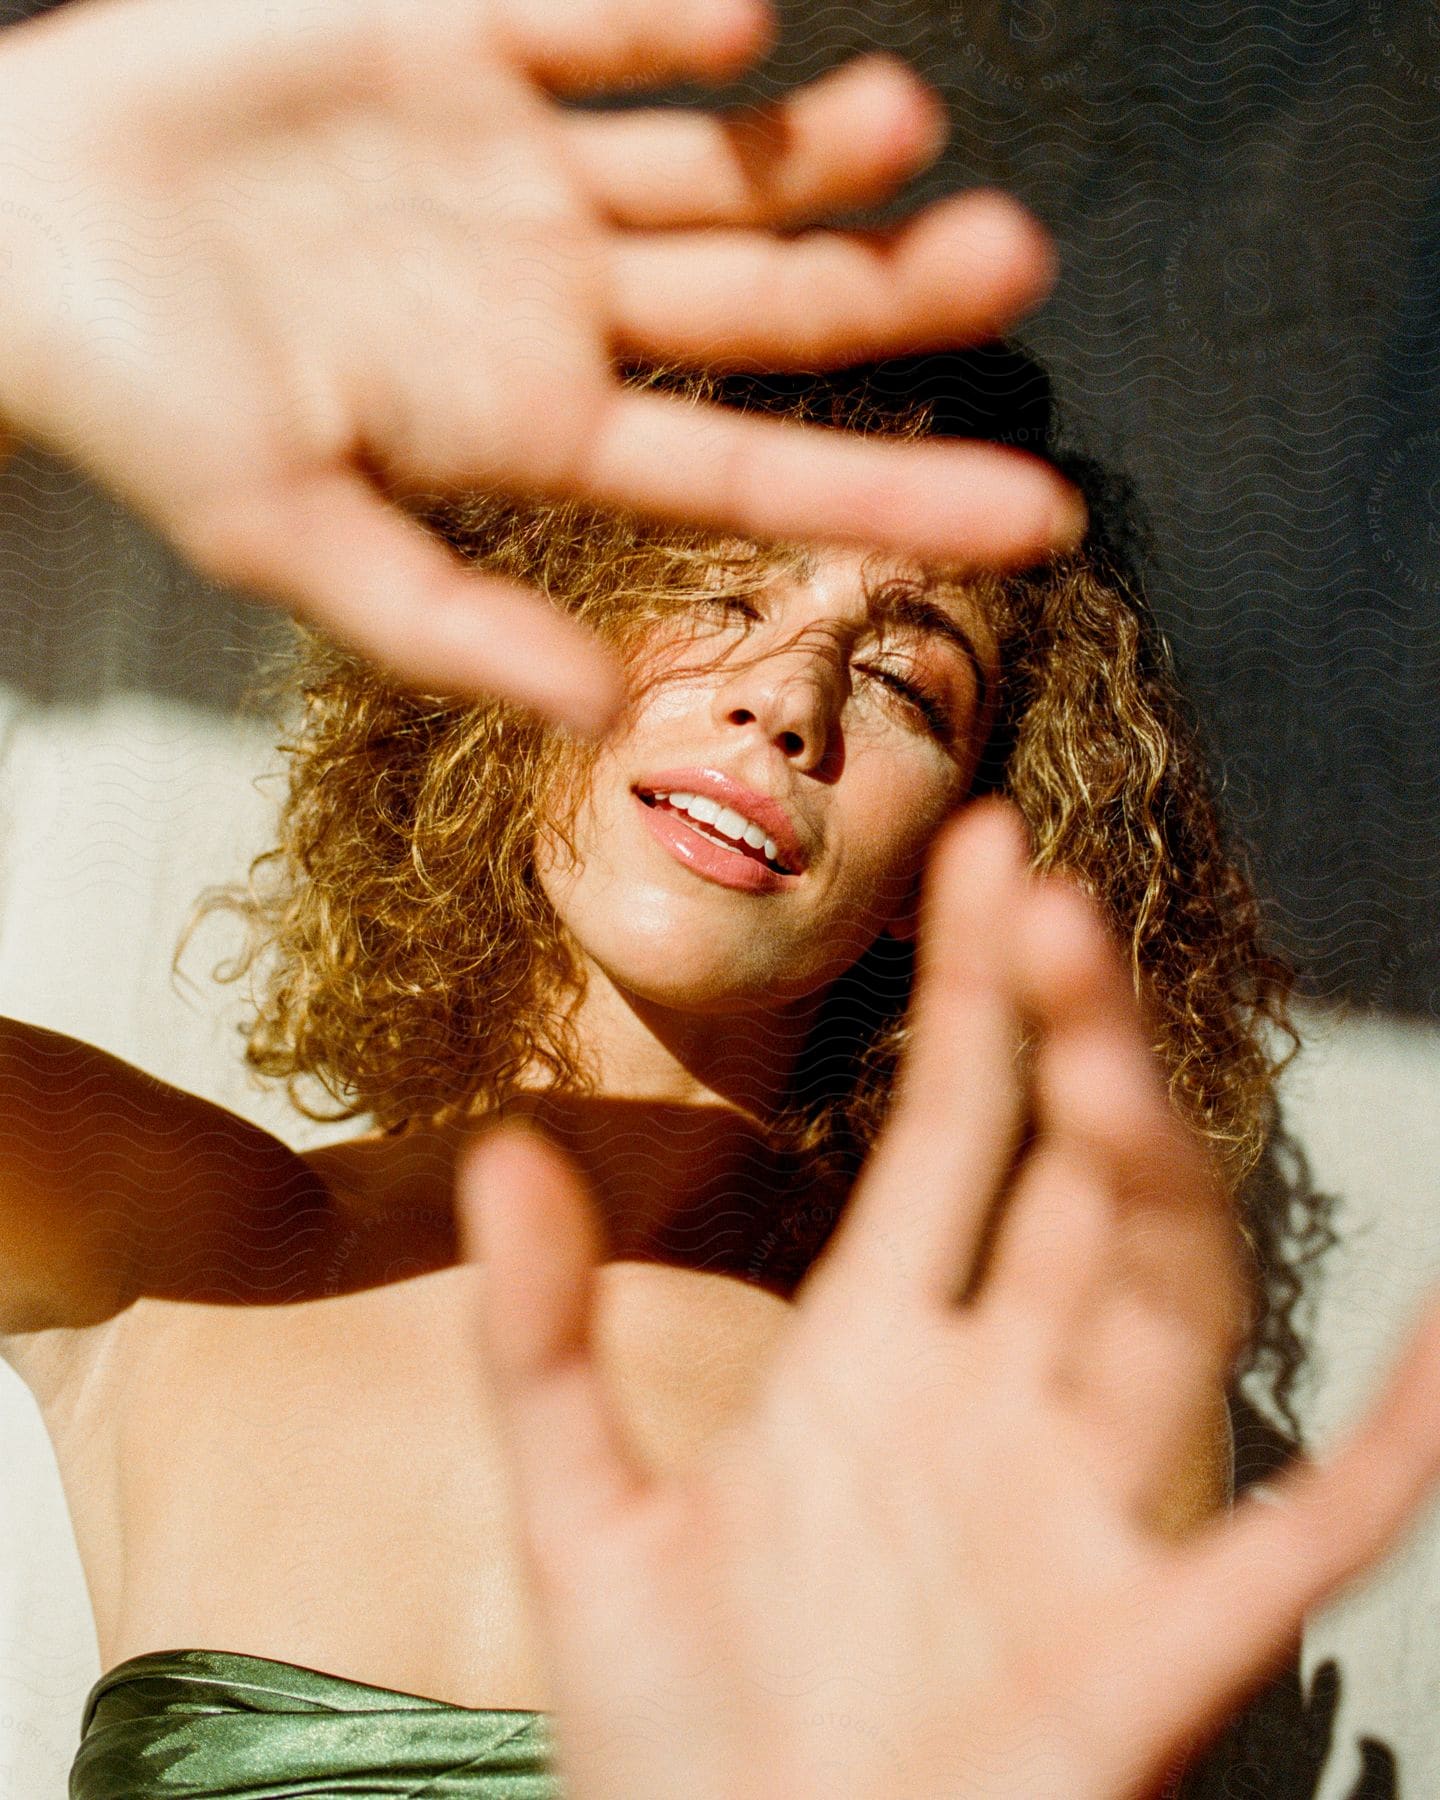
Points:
[322,1482]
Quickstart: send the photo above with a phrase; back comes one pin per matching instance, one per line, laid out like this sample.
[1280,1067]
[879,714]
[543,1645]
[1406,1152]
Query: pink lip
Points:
[768,814]
[730,868]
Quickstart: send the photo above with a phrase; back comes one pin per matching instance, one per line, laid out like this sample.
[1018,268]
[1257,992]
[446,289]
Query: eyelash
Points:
[732,603]
[934,712]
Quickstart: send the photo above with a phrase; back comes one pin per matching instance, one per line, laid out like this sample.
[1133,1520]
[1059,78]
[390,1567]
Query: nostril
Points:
[791,742]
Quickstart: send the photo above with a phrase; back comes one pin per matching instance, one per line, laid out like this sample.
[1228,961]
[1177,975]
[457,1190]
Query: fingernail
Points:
[926,124]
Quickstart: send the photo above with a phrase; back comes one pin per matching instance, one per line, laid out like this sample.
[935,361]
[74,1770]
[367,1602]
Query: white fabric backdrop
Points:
[126,786]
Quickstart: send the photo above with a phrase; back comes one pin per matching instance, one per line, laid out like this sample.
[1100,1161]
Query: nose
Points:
[794,695]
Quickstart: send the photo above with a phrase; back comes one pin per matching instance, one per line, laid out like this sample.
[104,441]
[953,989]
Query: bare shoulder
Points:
[115,1186]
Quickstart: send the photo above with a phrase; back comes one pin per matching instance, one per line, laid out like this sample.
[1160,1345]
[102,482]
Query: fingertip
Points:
[1062,927]
[738,36]
[991,820]
[526,1212]
[1006,218]
[518,649]
[1005,824]
[931,129]
[1055,518]
[1047,515]
[1067,968]
[1427,1330]
[591,705]
[977,869]
[1415,1379]
[1069,520]
[512,1139]
[914,116]
[1002,242]
[484,1159]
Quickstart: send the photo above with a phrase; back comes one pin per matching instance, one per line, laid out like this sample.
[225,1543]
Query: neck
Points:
[672,1132]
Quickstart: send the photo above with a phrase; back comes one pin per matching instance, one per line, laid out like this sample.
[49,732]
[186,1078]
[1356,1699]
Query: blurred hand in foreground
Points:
[925,1564]
[267,271]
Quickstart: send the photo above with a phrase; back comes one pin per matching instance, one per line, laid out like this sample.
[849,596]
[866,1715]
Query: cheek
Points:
[574,879]
[651,933]
[893,818]
[660,935]
[872,884]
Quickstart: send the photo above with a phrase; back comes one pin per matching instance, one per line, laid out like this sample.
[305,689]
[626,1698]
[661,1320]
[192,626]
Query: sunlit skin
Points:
[834,694]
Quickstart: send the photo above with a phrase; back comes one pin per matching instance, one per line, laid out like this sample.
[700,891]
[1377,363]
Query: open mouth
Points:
[721,826]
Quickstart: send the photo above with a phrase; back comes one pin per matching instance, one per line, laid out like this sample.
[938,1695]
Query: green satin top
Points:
[218,1725]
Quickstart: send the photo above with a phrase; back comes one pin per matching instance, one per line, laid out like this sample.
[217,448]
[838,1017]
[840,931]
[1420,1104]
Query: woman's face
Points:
[838,714]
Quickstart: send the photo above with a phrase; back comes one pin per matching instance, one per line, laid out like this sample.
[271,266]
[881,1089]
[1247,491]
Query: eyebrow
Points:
[905,606]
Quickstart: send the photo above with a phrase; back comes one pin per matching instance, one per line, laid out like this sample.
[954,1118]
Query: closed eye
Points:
[733,604]
[935,713]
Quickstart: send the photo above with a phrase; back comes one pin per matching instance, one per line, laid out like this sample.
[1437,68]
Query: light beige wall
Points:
[1365,1100]
[113,818]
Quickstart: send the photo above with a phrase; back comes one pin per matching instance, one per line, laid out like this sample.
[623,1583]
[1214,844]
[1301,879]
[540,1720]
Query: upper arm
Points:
[114,1185]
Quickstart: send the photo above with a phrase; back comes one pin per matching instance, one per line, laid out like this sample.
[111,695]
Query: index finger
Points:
[981,505]
[329,547]
[1236,1595]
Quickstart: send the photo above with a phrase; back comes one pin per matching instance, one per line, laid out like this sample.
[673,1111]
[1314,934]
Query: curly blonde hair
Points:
[405,957]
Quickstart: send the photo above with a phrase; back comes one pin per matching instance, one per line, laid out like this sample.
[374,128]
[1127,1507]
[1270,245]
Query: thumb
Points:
[525,1214]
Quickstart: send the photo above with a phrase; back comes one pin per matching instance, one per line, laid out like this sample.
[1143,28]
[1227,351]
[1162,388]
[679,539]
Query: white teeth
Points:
[723,819]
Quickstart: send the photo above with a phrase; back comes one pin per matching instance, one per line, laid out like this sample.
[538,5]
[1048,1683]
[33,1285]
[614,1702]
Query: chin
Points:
[691,947]
[698,971]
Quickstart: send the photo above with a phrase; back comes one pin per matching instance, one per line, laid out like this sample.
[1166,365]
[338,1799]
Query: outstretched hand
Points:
[926,1562]
[268,270]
